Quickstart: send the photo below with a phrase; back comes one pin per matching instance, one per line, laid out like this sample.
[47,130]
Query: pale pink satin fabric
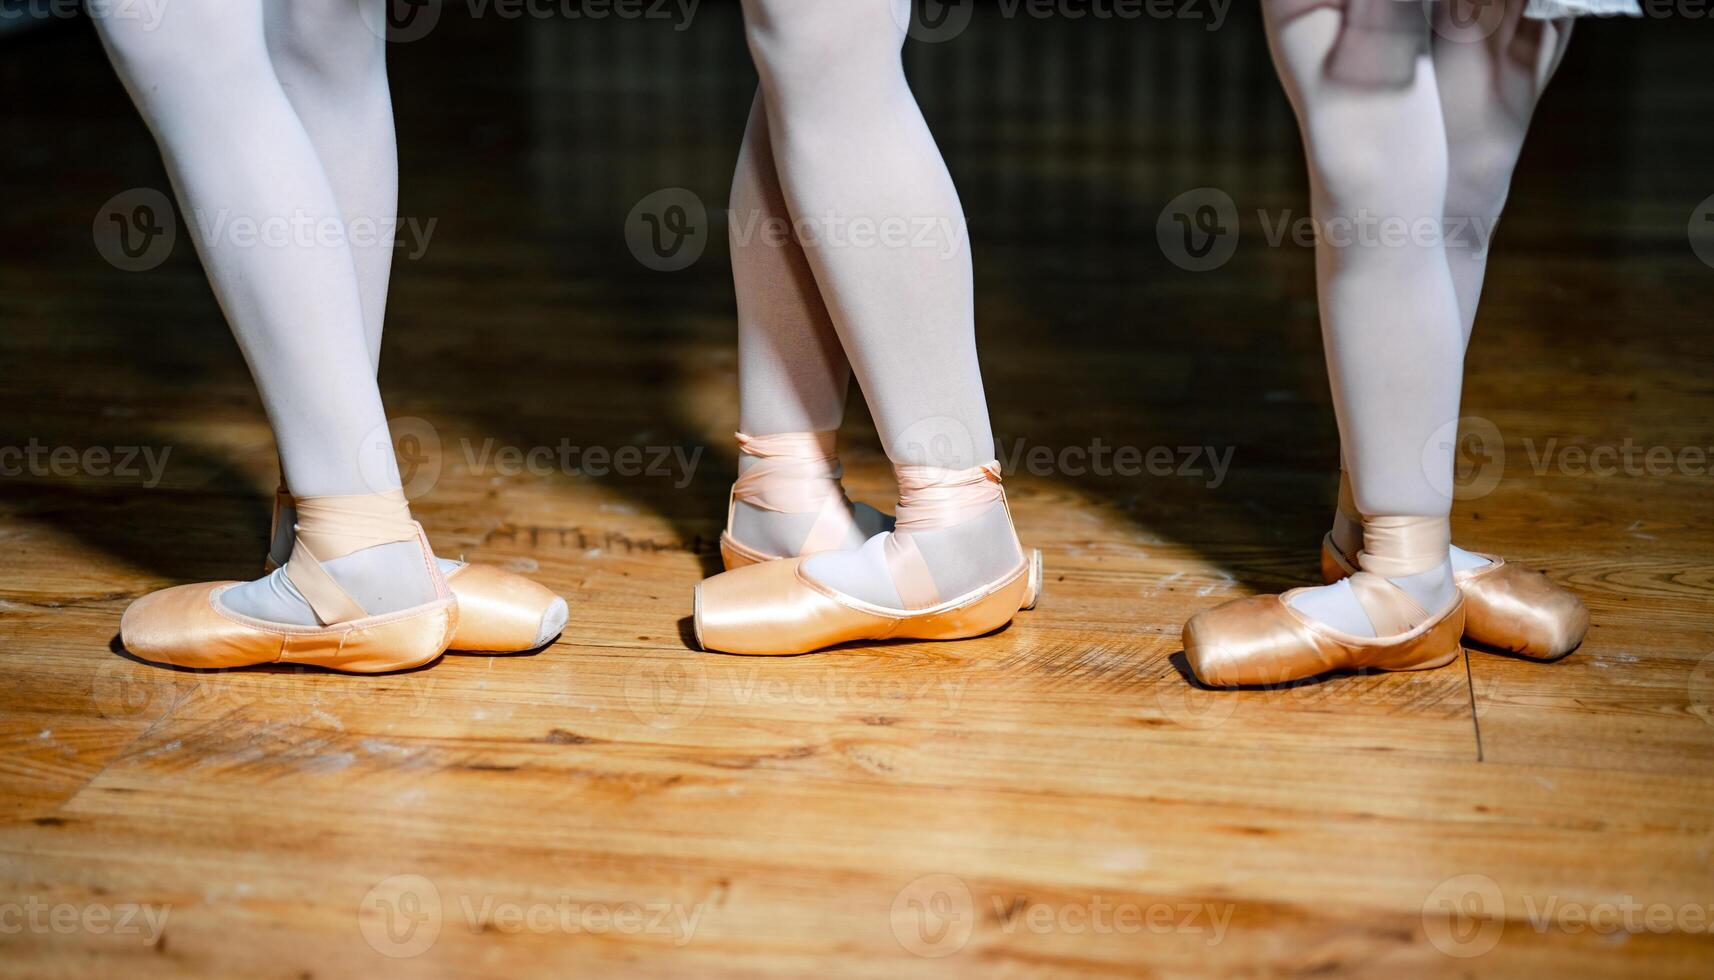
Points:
[797,473]
[933,497]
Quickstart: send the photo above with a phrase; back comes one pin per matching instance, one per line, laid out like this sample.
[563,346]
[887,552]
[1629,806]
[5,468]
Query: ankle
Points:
[1414,553]
[1347,530]
[788,498]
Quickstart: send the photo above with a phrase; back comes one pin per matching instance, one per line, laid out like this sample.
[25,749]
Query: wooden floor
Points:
[1056,799]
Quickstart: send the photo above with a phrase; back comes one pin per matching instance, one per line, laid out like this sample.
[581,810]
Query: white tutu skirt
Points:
[1555,9]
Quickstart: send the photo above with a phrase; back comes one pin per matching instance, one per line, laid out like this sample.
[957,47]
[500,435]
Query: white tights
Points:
[882,234]
[1397,314]
[278,113]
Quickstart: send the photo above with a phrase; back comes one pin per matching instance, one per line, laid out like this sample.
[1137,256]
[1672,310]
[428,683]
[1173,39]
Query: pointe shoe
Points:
[1263,640]
[1507,607]
[794,473]
[498,611]
[776,608]
[188,626]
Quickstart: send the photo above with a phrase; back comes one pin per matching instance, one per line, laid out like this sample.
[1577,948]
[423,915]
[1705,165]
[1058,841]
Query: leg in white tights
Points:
[237,151]
[1390,318]
[1489,89]
[792,372]
[860,168]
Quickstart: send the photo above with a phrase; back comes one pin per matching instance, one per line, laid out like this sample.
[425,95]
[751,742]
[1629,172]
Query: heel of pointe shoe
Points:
[1032,592]
[734,555]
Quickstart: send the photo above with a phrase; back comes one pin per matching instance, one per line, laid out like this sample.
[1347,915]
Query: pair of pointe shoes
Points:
[1263,640]
[476,608]
[767,604]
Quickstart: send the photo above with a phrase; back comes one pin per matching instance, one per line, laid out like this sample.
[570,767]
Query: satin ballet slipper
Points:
[774,609]
[498,611]
[793,473]
[1507,607]
[188,626]
[1263,640]
[777,608]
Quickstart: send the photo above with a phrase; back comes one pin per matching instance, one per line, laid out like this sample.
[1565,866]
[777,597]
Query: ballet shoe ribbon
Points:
[1398,546]
[796,473]
[335,526]
[933,497]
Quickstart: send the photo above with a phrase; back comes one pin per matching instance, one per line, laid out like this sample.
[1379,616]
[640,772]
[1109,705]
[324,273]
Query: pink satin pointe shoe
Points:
[498,611]
[1507,607]
[189,626]
[794,473]
[777,608]
[1263,640]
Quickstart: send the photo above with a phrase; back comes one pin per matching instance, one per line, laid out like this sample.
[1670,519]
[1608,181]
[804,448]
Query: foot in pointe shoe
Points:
[1266,640]
[780,608]
[791,502]
[498,611]
[197,626]
[1507,606]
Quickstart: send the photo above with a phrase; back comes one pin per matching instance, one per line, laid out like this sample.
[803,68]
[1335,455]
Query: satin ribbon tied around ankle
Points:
[333,527]
[796,473]
[1397,546]
[932,497]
